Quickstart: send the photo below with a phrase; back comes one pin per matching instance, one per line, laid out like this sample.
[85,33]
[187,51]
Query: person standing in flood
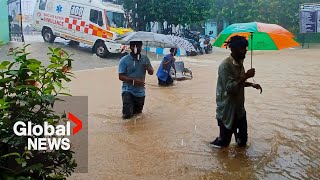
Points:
[163,73]
[132,73]
[232,79]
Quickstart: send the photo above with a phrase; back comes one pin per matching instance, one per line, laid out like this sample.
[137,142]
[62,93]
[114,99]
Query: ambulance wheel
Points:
[101,49]
[48,35]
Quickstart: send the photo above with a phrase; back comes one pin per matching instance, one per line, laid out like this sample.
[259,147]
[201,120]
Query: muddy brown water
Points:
[170,139]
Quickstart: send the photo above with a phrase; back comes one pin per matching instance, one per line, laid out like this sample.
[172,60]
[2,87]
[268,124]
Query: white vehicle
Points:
[93,22]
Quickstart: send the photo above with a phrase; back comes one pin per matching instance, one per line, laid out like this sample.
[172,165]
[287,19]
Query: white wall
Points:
[156,27]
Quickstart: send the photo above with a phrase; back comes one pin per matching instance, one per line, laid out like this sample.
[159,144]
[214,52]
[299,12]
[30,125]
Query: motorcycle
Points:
[205,42]
[193,37]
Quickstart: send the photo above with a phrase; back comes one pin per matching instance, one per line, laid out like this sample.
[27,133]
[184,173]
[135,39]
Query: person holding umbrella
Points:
[232,79]
[132,72]
[163,72]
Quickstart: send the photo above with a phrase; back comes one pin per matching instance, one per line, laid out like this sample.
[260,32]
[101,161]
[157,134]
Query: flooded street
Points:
[83,56]
[170,139]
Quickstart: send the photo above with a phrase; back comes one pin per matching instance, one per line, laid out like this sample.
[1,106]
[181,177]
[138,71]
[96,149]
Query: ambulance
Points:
[94,22]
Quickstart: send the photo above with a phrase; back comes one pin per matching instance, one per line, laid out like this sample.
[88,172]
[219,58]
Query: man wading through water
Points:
[163,73]
[230,113]
[132,71]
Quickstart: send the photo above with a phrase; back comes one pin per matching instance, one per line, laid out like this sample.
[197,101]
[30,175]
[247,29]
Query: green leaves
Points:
[1,93]
[29,87]
[28,90]
[4,65]
[11,154]
[12,72]
[21,161]
[173,11]
[33,67]
[54,66]
[5,80]
[3,103]
[49,99]
[65,94]
[280,12]
[32,167]
[34,64]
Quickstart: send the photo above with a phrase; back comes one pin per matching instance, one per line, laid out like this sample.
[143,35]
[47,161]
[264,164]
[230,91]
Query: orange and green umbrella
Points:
[261,36]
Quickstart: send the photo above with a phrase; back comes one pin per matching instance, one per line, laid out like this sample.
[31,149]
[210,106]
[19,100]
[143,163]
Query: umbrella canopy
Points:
[148,38]
[265,36]
[182,43]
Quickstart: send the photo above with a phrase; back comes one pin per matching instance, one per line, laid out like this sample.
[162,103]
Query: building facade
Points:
[4,21]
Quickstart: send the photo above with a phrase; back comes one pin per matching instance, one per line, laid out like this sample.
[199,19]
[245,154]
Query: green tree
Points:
[173,11]
[282,12]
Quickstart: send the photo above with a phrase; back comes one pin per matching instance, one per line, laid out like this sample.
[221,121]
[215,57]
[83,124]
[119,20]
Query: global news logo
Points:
[47,136]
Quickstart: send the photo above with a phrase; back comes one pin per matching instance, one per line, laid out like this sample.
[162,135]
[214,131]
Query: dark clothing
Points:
[164,71]
[231,113]
[168,82]
[132,105]
[239,129]
[230,95]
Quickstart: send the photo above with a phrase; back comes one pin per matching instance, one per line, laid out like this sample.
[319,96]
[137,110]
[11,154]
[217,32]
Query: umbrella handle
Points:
[251,35]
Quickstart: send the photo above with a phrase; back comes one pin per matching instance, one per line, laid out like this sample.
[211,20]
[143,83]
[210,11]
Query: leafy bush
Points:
[28,91]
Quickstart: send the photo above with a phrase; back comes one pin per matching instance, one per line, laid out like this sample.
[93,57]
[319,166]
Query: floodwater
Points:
[170,139]
[83,57]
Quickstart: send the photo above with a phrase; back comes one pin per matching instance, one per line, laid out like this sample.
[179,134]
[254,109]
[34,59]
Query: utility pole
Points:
[22,37]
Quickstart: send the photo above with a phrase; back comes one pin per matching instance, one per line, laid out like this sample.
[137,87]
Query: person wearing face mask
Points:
[163,72]
[132,72]
[232,79]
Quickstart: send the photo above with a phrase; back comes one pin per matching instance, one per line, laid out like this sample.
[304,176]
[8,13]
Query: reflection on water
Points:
[170,139]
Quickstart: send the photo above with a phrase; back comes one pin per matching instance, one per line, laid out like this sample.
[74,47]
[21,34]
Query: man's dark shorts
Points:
[132,105]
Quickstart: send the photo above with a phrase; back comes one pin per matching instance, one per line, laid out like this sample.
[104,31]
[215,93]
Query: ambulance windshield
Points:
[116,19]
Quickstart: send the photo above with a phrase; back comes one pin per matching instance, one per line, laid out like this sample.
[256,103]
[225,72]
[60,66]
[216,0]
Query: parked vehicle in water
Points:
[96,23]
[205,42]
[193,37]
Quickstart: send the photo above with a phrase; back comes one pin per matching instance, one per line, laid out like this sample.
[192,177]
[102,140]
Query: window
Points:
[42,4]
[96,17]
[115,19]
